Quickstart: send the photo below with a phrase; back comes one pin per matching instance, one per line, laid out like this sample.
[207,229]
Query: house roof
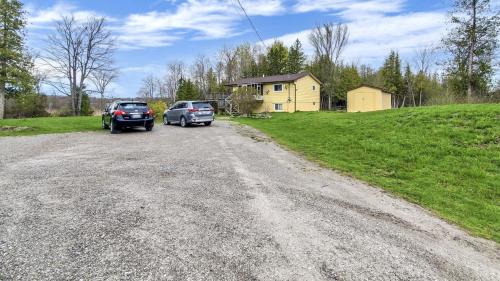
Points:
[272,79]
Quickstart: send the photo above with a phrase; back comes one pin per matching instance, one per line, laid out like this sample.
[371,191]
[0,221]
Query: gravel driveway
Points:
[210,203]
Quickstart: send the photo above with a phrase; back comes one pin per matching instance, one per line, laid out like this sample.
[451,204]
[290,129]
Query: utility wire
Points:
[251,23]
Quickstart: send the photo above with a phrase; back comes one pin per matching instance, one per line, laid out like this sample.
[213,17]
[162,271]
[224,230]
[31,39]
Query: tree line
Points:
[206,77]
[79,59]
[460,69]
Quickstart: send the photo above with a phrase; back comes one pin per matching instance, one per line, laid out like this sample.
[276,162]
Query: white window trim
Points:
[277,110]
[278,91]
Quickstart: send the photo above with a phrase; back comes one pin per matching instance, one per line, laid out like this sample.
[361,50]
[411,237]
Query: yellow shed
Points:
[368,98]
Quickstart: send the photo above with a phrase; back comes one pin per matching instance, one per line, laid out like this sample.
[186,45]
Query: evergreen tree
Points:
[296,58]
[349,79]
[277,58]
[213,87]
[187,90]
[409,89]
[472,43]
[86,108]
[392,78]
[13,62]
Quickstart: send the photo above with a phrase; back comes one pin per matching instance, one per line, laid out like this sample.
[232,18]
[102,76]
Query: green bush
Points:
[86,108]
[245,100]
[158,107]
[25,105]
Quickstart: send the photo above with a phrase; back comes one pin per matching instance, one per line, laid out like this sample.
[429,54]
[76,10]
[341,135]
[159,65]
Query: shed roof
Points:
[272,79]
[373,87]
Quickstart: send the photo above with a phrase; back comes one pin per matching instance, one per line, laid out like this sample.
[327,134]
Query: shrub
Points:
[26,105]
[86,108]
[245,100]
[158,107]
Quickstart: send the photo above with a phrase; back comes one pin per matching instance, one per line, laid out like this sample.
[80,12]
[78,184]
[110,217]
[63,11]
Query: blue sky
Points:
[151,33]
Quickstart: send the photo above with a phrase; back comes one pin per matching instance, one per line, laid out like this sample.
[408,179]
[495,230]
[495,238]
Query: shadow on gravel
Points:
[133,131]
[191,126]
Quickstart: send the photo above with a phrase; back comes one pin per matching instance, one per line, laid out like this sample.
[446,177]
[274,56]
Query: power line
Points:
[251,23]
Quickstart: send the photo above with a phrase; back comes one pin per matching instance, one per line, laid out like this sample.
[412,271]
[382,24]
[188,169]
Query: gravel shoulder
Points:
[211,203]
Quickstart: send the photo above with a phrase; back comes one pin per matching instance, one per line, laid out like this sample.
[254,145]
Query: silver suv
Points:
[189,112]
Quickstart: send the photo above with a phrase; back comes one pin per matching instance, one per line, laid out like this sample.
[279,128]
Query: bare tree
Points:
[101,80]
[199,71]
[38,75]
[75,51]
[219,67]
[424,58]
[161,88]
[149,87]
[229,57]
[175,71]
[329,41]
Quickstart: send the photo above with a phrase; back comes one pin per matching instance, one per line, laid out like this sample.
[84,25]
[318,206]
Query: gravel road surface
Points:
[210,203]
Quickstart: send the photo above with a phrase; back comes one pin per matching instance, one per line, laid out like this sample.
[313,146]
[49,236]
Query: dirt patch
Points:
[250,132]
[14,128]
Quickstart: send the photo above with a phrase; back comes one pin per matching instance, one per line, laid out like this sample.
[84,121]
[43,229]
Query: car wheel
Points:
[183,122]
[112,127]
[104,125]
[165,120]
[208,123]
[149,128]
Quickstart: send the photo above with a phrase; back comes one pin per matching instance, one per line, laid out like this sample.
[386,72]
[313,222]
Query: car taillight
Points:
[119,113]
[150,112]
[193,110]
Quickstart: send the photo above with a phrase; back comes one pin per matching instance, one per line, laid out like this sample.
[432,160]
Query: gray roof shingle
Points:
[270,79]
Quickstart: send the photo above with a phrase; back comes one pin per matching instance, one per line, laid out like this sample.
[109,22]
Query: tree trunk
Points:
[330,101]
[470,60]
[73,104]
[2,100]
[79,104]
[101,100]
[74,90]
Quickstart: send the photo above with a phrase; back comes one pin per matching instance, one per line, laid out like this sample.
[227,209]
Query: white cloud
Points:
[205,19]
[149,68]
[370,39]
[45,18]
[350,8]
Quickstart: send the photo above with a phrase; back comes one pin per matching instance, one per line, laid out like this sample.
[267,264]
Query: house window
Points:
[259,89]
[278,87]
[314,87]
[278,107]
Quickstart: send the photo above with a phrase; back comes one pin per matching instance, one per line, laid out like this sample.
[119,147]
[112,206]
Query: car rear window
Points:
[199,105]
[133,106]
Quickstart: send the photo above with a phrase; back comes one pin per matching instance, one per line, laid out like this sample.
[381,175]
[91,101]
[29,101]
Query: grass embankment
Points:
[444,158]
[48,125]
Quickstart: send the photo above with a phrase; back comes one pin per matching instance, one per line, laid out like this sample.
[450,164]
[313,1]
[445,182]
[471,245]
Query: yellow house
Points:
[368,98]
[284,93]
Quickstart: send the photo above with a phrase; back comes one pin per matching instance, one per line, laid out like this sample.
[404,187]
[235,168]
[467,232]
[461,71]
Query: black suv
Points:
[127,114]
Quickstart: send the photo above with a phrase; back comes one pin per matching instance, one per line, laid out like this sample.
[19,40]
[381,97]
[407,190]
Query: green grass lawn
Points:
[444,158]
[48,125]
